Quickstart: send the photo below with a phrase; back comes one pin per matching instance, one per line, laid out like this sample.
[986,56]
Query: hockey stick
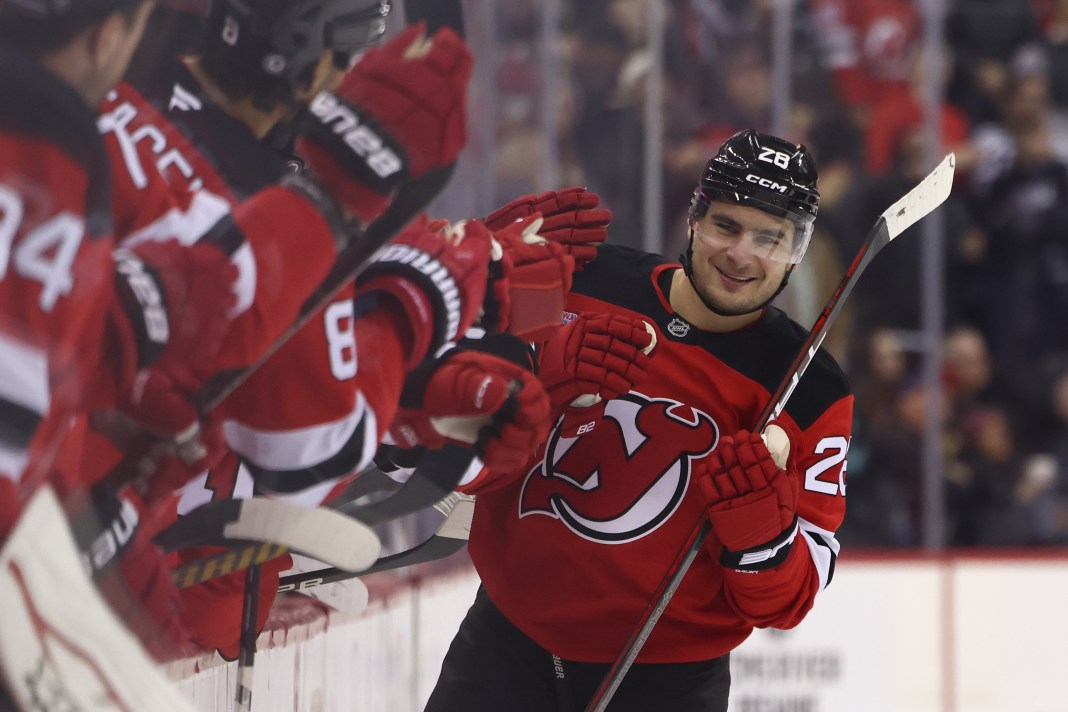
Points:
[439,13]
[917,203]
[411,199]
[437,475]
[318,532]
[246,654]
[449,538]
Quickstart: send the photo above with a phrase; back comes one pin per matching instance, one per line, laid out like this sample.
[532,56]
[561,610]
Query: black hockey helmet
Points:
[285,39]
[765,172]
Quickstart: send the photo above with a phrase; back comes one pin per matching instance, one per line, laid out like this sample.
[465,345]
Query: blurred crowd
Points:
[857,74]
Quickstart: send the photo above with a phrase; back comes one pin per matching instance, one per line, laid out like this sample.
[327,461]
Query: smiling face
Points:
[737,256]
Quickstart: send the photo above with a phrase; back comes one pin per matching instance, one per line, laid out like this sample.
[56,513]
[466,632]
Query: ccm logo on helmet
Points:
[767,183]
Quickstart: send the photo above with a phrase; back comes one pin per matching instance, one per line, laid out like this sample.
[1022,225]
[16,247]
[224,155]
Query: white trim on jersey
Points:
[195,493]
[301,448]
[12,462]
[823,547]
[189,225]
[245,284]
[314,496]
[24,375]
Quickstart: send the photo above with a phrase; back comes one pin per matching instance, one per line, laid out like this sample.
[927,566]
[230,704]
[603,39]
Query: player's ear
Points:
[110,38]
[102,39]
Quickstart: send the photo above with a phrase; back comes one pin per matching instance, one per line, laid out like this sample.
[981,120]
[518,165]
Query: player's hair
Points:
[40,27]
[268,50]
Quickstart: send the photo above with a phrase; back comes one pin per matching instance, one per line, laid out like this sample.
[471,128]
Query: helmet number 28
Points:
[770,155]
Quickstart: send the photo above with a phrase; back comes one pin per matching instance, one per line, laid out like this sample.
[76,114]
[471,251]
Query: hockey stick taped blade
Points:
[931,192]
[323,534]
[459,510]
[451,536]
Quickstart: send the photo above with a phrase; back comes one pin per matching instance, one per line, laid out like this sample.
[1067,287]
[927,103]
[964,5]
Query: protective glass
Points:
[786,243]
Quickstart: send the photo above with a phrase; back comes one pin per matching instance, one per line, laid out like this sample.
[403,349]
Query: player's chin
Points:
[739,301]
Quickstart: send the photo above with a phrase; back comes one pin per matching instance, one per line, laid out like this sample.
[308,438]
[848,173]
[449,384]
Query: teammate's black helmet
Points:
[285,39]
[765,172]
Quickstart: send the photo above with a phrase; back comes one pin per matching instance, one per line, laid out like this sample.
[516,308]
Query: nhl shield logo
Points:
[678,328]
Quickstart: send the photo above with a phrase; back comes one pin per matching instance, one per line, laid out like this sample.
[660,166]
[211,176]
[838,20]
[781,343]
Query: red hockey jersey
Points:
[56,274]
[572,552]
[308,415]
[182,168]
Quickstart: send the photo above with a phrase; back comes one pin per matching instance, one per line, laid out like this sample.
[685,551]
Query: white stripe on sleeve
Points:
[823,547]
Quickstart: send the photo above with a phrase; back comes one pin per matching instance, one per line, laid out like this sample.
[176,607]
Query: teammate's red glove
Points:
[529,281]
[136,582]
[172,315]
[752,501]
[474,398]
[398,113]
[437,276]
[211,611]
[572,220]
[596,357]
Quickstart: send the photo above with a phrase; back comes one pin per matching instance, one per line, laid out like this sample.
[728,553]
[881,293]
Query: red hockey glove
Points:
[211,611]
[572,220]
[136,580]
[596,357]
[474,398]
[398,113]
[172,316]
[529,281]
[752,501]
[438,277]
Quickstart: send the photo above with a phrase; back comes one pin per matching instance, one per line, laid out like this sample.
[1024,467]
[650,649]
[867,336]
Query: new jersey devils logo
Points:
[624,479]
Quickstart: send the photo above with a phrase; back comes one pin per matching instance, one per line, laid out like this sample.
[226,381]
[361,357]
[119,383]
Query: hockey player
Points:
[81,327]
[189,148]
[201,124]
[571,551]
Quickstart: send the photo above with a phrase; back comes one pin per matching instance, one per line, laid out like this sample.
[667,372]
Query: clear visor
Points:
[354,32]
[780,235]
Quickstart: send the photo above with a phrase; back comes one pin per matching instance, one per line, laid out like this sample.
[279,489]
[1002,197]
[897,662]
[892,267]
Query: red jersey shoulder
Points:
[154,166]
[310,380]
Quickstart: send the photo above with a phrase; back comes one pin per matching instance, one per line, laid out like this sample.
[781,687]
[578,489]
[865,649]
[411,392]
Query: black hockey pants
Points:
[493,667]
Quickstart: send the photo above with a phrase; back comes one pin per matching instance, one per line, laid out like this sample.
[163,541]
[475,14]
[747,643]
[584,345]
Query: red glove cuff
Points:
[359,198]
[417,307]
